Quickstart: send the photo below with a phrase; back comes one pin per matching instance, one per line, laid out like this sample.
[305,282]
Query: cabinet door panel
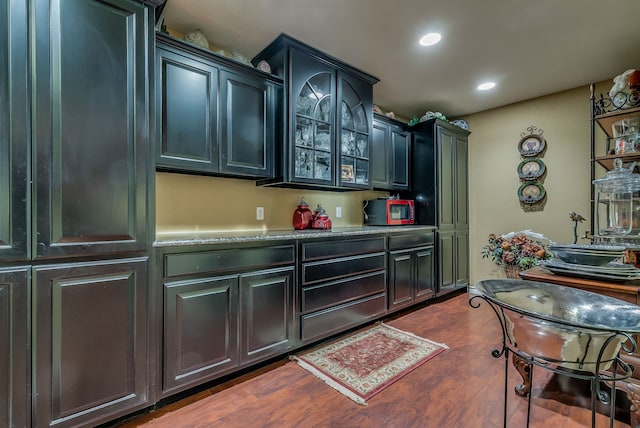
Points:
[462,185]
[400,279]
[200,330]
[14,349]
[447,174]
[355,117]
[187,112]
[91,126]
[312,97]
[425,282]
[400,143]
[446,255]
[90,337]
[14,123]
[462,258]
[379,156]
[267,314]
[248,125]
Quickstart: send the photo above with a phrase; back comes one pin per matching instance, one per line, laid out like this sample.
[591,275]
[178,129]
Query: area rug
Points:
[365,363]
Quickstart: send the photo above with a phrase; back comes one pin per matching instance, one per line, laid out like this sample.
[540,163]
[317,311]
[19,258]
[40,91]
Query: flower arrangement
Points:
[518,249]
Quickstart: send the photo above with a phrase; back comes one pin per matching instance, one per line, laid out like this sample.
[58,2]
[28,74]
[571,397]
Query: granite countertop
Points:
[204,237]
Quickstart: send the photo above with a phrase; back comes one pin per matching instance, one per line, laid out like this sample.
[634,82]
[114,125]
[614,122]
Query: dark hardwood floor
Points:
[461,387]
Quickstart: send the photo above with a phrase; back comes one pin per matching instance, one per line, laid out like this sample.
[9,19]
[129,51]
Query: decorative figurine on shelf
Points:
[621,90]
[198,38]
[302,216]
[576,218]
[322,220]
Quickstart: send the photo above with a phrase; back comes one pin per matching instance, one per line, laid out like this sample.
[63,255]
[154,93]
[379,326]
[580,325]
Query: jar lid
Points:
[619,179]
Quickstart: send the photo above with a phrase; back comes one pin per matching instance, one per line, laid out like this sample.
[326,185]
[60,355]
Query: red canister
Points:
[322,220]
[302,216]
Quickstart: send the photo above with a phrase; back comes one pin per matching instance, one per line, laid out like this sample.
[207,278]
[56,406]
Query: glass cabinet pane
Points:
[303,163]
[362,172]
[313,129]
[347,117]
[354,138]
[360,119]
[362,146]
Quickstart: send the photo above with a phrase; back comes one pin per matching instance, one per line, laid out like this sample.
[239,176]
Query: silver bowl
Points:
[564,326]
[593,255]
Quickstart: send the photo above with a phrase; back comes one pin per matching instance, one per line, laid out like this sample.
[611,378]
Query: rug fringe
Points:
[328,380]
[408,333]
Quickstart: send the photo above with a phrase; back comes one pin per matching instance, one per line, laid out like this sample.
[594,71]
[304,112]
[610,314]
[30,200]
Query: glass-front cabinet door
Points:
[313,151]
[354,137]
[313,106]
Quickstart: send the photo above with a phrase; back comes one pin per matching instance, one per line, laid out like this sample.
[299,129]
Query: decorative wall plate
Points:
[530,169]
[531,192]
[531,145]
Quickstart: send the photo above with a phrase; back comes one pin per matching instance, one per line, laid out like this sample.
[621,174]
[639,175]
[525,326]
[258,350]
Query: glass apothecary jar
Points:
[618,201]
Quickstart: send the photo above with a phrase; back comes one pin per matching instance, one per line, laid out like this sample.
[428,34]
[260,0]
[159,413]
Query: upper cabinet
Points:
[90,126]
[214,115]
[389,154]
[328,118]
[14,131]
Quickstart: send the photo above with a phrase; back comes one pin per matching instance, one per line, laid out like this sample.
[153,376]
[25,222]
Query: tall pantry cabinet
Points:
[440,189]
[74,148]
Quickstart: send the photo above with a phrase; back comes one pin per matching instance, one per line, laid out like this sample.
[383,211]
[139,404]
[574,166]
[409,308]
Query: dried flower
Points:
[517,249]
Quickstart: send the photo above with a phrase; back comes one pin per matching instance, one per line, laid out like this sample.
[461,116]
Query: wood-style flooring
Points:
[461,387]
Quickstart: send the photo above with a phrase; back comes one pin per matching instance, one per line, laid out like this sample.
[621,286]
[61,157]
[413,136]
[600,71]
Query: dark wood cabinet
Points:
[328,117]
[90,160]
[225,307]
[200,330]
[411,269]
[389,154]
[15,358]
[440,189]
[91,127]
[187,104]
[342,284]
[214,116]
[248,124]
[14,131]
[267,327]
[90,341]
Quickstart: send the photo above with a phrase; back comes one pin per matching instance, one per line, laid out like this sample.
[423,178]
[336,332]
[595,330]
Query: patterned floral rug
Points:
[365,363]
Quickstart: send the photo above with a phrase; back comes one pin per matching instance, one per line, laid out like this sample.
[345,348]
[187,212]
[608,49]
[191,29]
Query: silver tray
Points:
[592,275]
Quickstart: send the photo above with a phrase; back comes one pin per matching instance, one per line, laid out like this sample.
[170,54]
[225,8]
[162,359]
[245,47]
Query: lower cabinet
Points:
[411,269]
[453,261]
[342,284]
[224,309]
[90,341]
[15,378]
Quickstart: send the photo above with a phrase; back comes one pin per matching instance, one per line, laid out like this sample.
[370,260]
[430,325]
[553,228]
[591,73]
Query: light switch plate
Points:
[259,213]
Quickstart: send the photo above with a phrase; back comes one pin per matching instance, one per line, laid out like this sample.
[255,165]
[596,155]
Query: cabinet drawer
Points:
[341,248]
[227,260]
[407,241]
[335,293]
[339,318]
[341,268]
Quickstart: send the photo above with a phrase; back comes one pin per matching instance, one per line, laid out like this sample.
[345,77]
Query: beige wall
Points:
[493,179]
[186,203]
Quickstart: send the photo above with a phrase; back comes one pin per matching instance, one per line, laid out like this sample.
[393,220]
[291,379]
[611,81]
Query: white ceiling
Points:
[530,48]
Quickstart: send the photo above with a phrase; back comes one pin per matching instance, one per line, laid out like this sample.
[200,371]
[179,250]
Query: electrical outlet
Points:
[259,213]
[338,212]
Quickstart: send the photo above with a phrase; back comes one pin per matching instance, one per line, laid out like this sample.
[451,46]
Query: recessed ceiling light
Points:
[430,39]
[485,86]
